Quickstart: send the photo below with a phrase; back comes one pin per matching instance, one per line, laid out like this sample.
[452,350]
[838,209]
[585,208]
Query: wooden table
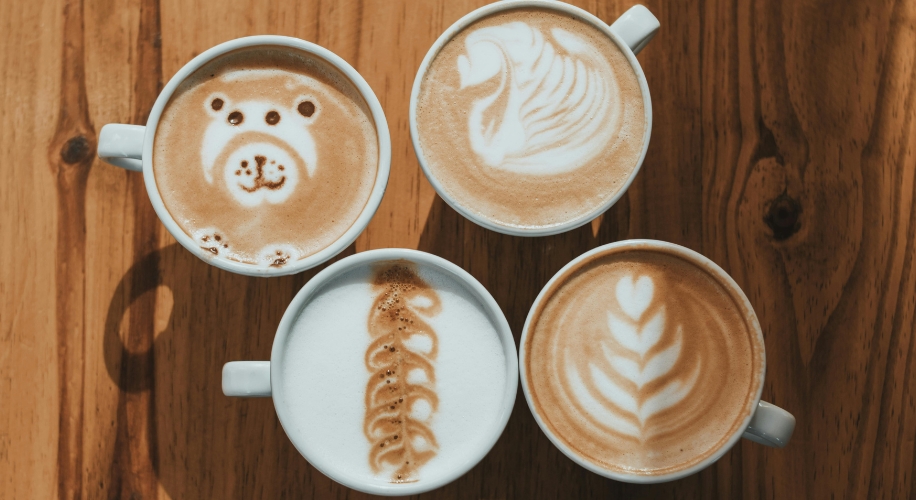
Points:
[783,148]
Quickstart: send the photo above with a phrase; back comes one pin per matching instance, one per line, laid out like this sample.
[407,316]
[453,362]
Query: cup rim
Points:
[500,6]
[477,290]
[692,257]
[372,203]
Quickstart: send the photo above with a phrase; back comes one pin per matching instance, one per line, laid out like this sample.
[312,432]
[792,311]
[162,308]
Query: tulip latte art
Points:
[266,156]
[643,362]
[531,118]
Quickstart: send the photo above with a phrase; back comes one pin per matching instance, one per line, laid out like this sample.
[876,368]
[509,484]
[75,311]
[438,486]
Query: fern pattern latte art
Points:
[640,359]
[401,398]
[554,105]
[628,379]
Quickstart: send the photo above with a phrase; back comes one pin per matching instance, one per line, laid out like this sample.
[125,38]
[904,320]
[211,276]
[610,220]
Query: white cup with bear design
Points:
[643,361]
[265,173]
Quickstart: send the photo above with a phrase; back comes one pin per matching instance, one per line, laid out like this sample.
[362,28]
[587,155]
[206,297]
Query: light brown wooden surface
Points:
[782,148]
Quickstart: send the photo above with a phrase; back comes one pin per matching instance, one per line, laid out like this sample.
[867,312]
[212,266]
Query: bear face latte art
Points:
[531,118]
[266,156]
[642,362]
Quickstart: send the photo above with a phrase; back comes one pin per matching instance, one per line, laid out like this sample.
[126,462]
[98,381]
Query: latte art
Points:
[642,362]
[401,397]
[395,373]
[530,119]
[631,377]
[556,105]
[265,156]
[260,158]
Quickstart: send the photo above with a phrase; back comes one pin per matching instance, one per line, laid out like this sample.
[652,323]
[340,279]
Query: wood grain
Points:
[783,148]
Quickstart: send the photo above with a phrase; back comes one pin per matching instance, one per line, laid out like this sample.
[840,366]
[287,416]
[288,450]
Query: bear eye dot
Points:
[217,104]
[236,118]
[272,118]
[306,108]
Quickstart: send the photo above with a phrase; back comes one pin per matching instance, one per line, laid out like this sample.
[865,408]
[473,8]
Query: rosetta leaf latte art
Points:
[401,398]
[556,103]
[628,380]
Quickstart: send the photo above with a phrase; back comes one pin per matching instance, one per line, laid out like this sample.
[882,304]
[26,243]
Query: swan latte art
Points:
[531,118]
[266,156]
[643,362]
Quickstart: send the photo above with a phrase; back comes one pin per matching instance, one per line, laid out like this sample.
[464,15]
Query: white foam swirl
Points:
[556,105]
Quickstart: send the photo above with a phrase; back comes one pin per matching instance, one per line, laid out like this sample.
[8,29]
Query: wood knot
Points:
[76,150]
[782,216]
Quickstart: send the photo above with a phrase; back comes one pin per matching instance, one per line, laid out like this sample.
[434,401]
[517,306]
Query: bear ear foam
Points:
[216,104]
[307,108]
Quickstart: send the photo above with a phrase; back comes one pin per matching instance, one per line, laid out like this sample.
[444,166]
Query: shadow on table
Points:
[172,323]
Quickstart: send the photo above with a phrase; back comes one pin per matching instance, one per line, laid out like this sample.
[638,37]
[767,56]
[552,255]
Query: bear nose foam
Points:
[259,172]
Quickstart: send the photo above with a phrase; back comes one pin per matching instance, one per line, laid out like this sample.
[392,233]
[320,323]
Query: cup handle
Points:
[770,425]
[636,27]
[122,145]
[247,379]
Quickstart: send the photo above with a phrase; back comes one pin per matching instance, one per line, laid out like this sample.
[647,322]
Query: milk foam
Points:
[265,156]
[642,362]
[557,104]
[259,160]
[530,119]
[325,377]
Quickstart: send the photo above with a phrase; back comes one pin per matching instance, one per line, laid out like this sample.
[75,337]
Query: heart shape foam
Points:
[635,298]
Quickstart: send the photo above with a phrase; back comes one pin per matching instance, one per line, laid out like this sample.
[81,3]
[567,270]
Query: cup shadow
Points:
[172,322]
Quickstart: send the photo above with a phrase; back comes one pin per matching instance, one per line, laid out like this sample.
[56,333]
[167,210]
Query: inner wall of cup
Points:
[335,323]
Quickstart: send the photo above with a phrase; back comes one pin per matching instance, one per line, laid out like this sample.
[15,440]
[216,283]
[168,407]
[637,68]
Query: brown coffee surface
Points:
[642,362]
[266,155]
[531,118]
[400,441]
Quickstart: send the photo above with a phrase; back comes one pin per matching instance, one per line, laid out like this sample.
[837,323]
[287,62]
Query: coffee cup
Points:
[393,372]
[643,361]
[533,117]
[263,156]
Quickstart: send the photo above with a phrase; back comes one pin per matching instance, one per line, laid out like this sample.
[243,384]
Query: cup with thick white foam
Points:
[643,361]
[393,372]
[264,155]
[532,117]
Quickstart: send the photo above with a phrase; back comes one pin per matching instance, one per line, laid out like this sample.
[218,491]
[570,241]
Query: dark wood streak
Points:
[70,155]
[133,469]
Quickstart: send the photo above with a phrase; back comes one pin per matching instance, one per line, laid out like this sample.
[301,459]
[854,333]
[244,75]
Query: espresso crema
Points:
[531,118]
[265,156]
[642,362]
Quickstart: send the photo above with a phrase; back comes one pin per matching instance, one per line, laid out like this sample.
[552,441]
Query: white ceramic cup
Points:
[131,147]
[631,32]
[768,424]
[266,378]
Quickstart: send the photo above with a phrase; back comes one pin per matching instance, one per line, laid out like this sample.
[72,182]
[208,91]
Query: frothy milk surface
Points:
[265,155]
[642,362]
[531,118]
[395,374]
